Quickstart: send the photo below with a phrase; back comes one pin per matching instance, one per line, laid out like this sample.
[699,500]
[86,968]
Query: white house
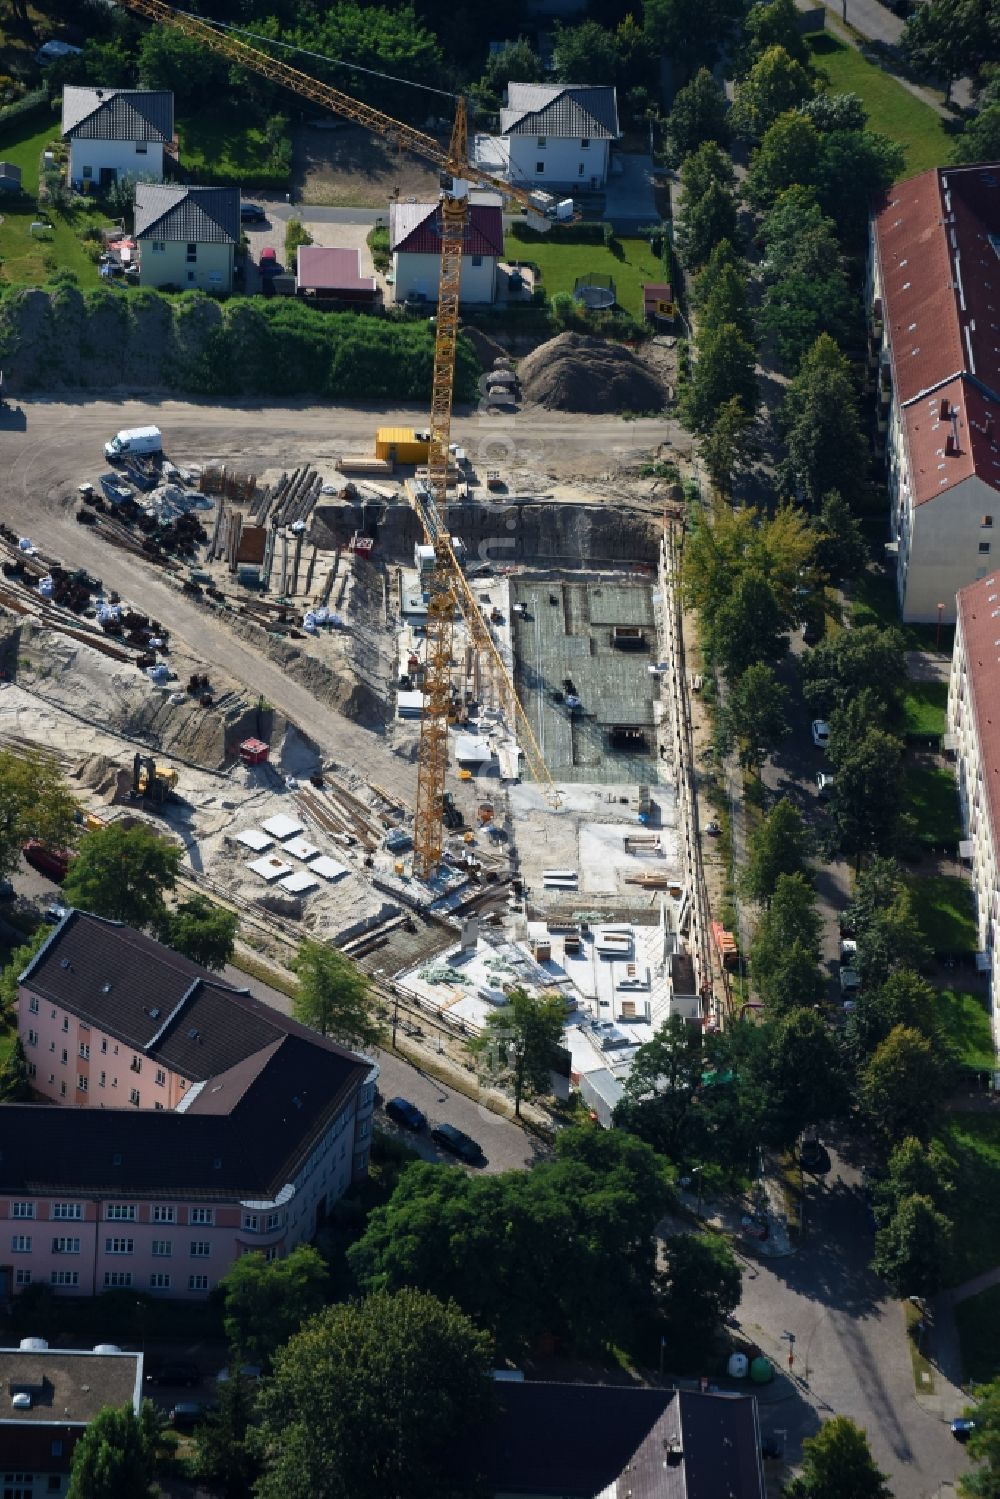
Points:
[934,284]
[553,136]
[116,132]
[415,242]
[974,737]
[187,236]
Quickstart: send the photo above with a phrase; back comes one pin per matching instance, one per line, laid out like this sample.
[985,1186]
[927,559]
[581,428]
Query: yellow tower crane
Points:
[449,586]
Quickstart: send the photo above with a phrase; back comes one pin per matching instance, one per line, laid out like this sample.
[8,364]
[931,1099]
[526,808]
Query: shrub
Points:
[378,244]
[34,103]
[570,234]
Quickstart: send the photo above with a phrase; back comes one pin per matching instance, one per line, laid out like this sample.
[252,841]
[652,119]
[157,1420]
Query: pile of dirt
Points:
[488,351]
[576,373]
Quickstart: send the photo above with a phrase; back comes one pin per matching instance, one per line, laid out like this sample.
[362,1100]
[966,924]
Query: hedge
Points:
[33,103]
[194,345]
[569,234]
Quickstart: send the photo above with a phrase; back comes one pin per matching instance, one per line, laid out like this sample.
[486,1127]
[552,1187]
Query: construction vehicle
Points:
[449,586]
[151,782]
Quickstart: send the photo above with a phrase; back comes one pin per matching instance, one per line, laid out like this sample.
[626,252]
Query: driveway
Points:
[629,202]
[335,228]
[851,1353]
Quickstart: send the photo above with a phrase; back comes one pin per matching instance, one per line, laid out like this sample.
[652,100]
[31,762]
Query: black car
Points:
[252,213]
[406,1114]
[450,1138]
[175,1374]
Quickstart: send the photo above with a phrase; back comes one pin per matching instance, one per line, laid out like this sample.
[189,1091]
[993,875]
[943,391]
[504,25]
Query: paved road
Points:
[851,1355]
[505,1145]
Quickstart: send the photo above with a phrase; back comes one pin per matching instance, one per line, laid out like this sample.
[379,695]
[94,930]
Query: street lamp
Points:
[697,1171]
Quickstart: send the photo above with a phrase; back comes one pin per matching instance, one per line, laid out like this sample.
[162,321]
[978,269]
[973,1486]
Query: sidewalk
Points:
[727,1217]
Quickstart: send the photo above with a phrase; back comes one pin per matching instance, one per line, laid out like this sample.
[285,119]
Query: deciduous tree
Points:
[784,955]
[775,84]
[34,803]
[754,716]
[868,795]
[805,1082]
[915,1170]
[949,38]
[729,446]
[123,874]
[586,52]
[334,996]
[841,549]
[903,1085]
[837,1461]
[913,1248]
[700,1285]
[516,62]
[845,663]
[660,1090]
[699,113]
[748,627]
[826,446]
[723,371]
[223,1451]
[265,1302]
[704,222]
[778,845]
[980,140]
[775,25]
[15,966]
[114,1458]
[15,1084]
[201,930]
[983,1446]
[692,33]
[522,1036]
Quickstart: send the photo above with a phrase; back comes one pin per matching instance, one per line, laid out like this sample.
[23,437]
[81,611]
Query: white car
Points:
[848,952]
[824,783]
[820,733]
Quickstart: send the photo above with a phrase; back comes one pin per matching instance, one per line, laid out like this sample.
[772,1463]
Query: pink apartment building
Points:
[188,1123]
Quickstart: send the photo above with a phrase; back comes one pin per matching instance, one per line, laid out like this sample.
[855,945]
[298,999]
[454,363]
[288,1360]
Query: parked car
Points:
[185,1374]
[820,733]
[812,1156]
[824,783]
[462,1145]
[248,1371]
[962,1428]
[848,952]
[55,913]
[269,261]
[6,890]
[187,1413]
[252,213]
[406,1114]
[850,981]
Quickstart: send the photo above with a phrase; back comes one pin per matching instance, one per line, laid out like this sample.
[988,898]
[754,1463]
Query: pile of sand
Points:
[576,373]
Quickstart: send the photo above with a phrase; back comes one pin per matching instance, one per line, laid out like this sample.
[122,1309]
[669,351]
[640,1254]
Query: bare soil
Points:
[347,168]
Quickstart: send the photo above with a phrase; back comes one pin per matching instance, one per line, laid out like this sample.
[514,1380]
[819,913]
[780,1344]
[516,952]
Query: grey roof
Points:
[197,215]
[118,114]
[561,109]
[68,1386]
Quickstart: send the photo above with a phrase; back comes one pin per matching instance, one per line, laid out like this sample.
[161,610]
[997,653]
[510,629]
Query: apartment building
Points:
[934,348]
[974,737]
[187,1122]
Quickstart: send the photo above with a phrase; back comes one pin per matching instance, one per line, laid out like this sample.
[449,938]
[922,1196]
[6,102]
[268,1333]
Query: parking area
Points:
[331,228]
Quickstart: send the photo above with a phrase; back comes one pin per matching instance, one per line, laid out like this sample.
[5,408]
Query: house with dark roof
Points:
[934,284]
[115,132]
[974,739]
[415,243]
[187,236]
[576,1441]
[185,1121]
[555,136]
[48,1398]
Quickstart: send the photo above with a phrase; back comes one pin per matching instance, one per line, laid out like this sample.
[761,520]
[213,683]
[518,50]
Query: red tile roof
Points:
[950,436]
[415,229]
[332,269]
[979,621]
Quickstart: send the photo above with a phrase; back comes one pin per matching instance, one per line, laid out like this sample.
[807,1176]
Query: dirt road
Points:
[62,446]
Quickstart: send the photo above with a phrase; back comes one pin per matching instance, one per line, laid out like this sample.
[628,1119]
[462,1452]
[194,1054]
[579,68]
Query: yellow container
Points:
[401,444]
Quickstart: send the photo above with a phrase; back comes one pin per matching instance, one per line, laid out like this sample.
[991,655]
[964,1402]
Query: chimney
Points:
[951,445]
[945,409]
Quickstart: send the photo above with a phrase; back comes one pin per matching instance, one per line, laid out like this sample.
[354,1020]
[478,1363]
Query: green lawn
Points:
[979,1335]
[874,602]
[944,908]
[561,264]
[967,1026]
[925,705]
[25,149]
[892,109]
[930,796]
[30,259]
[220,148]
[973,1140]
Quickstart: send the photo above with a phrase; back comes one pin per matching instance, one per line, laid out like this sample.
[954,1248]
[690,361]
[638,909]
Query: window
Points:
[22,1210]
[251,1222]
[57,1449]
[197,1282]
[64,1278]
[64,1056]
[585,143]
[192,253]
[164,1215]
[273,1221]
[113,1278]
[161,1077]
[158,1281]
[62,1090]
[986,522]
[200,1249]
[543,141]
[133,1096]
[20,1244]
[120,1212]
[65,1022]
[32,1038]
[363,1128]
[71,1210]
[162,1249]
[82,1083]
[271,1254]
[52,1046]
[18,1485]
[539,169]
[582,169]
[141,148]
[159,247]
[88,172]
[136,1064]
[85,1051]
[201,1215]
[104,1048]
[477,260]
[984,546]
[33,1006]
[158,1106]
[32,1069]
[64,1245]
[119,1246]
[22,1277]
[190,275]
[55,1482]
[101,1079]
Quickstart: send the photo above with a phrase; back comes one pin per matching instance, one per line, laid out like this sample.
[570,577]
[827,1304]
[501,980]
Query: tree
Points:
[265,1302]
[724,300]
[365,1401]
[980,140]
[841,549]
[334,996]
[201,930]
[775,84]
[729,446]
[806,286]
[700,1285]
[775,25]
[123,873]
[704,222]
[804,1082]
[914,1170]
[726,543]
[724,258]
[835,112]
[16,964]
[837,1461]
[777,846]
[222,1452]
[168,59]
[868,795]
[34,803]
[755,715]
[904,999]
[983,1446]
[788,154]
[15,1084]
[659,1092]
[903,1085]
[844,664]
[699,113]
[784,955]
[584,53]
[913,1248]
[693,33]
[748,627]
[950,38]
[891,941]
[854,167]
[516,62]
[523,1035]
[115,1456]
[826,446]
[722,372]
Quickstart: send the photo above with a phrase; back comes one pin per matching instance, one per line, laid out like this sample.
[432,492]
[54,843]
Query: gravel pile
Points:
[576,373]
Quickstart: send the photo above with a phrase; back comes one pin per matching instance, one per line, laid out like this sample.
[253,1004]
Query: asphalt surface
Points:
[851,1353]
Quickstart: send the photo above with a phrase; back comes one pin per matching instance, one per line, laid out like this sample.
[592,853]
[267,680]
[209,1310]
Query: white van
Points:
[134,440]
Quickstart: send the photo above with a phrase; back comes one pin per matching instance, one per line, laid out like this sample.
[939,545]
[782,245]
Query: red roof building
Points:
[935,290]
[334,274]
[415,242]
